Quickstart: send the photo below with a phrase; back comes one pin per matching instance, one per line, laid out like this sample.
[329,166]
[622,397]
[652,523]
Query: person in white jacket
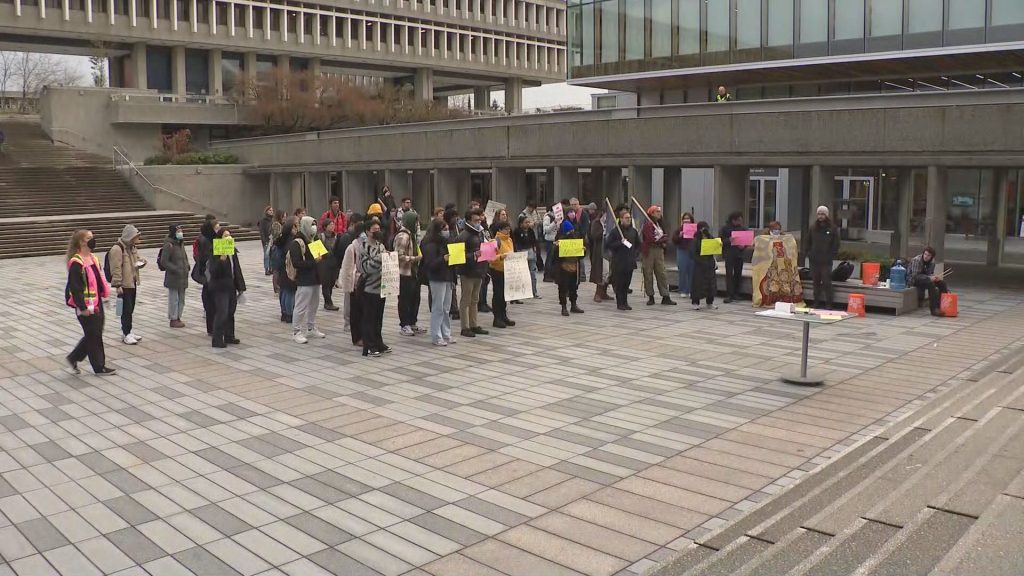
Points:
[550,230]
[348,276]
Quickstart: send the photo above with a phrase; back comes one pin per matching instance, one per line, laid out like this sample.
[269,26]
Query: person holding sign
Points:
[226,284]
[567,267]
[303,269]
[408,266]
[705,284]
[623,242]
[732,253]
[654,242]
[503,235]
[471,273]
[439,276]
[368,287]
[683,240]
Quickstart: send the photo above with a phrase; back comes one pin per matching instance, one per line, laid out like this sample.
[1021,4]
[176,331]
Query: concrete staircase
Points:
[48,190]
[939,493]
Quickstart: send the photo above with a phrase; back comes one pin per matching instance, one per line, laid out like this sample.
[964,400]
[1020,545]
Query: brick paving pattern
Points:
[599,444]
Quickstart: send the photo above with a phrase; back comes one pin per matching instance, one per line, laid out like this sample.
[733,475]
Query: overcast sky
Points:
[547,96]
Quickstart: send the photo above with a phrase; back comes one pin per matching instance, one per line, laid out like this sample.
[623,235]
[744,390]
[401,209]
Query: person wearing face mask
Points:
[303,268]
[226,284]
[125,263]
[774,228]
[86,289]
[202,250]
[173,260]
[409,258]
[705,283]
[623,242]
[502,230]
[330,265]
[684,261]
[345,249]
[439,276]
[524,239]
[567,268]
[368,287]
[472,273]
[266,230]
[286,286]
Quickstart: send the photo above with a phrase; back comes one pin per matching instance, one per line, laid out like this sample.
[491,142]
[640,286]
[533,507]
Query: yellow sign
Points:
[456,253]
[317,249]
[570,248]
[711,247]
[223,246]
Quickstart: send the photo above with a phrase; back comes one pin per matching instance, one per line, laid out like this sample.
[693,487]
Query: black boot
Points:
[508,322]
[666,301]
[499,323]
[650,300]
[565,311]
[576,309]
[219,343]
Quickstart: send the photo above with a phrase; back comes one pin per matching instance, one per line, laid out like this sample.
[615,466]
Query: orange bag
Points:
[855,305]
[948,305]
[870,271]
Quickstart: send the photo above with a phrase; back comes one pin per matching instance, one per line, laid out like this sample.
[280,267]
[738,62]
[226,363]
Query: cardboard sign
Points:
[518,284]
[742,238]
[317,249]
[389,275]
[570,248]
[223,246]
[456,253]
[689,230]
[559,214]
[488,251]
[491,209]
[711,247]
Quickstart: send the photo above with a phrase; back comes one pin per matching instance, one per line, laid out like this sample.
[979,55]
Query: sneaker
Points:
[331,308]
[418,330]
[712,306]
[696,306]
[136,336]
[440,343]
[299,338]
[372,354]
[509,323]
[499,323]
[407,331]
[130,340]
[234,341]
[386,349]
[449,340]
[106,372]
[685,295]
[537,297]
[72,366]
[314,333]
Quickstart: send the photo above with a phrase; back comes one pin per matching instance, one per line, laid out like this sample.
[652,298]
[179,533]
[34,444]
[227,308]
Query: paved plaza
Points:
[598,444]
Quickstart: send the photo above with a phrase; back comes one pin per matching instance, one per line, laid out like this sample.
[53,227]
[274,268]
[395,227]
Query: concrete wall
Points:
[224,190]
[82,117]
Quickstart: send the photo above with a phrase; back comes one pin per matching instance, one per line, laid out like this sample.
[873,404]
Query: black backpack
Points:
[106,267]
[842,272]
[160,260]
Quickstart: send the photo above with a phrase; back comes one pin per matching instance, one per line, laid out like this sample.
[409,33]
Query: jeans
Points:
[224,320]
[266,256]
[408,300]
[286,297]
[372,321]
[91,344]
[654,271]
[498,304]
[821,276]
[175,303]
[468,302]
[441,300]
[684,263]
[128,296]
[533,274]
[307,301]
[734,276]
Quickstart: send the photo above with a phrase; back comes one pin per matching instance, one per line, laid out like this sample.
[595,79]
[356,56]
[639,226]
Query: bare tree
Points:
[36,71]
[98,65]
[7,73]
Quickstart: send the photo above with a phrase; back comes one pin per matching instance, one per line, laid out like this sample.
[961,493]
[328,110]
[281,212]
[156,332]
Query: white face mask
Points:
[179,235]
[445,234]
[776,232]
[313,229]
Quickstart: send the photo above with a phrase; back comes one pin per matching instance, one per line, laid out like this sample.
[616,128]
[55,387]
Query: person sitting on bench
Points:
[921,275]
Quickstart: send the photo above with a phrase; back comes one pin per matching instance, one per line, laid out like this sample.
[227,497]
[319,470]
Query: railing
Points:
[173,99]
[122,162]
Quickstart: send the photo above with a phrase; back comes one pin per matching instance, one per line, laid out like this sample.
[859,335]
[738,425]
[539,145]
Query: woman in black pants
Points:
[368,287]
[85,292]
[226,284]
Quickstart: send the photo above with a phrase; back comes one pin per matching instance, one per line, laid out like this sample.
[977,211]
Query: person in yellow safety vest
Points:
[86,289]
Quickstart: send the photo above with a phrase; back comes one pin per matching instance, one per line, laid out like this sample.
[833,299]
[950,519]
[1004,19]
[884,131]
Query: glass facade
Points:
[609,37]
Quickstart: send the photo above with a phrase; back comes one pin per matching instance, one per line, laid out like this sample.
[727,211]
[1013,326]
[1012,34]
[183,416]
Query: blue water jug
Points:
[898,277]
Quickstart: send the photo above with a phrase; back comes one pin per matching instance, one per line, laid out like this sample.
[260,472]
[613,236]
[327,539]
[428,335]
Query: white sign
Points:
[389,275]
[559,214]
[518,285]
[491,209]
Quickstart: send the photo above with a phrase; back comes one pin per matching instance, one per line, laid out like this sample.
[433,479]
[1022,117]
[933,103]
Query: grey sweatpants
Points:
[307,302]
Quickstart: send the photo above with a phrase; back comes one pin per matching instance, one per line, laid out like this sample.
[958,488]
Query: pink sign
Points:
[743,238]
[689,230]
[488,251]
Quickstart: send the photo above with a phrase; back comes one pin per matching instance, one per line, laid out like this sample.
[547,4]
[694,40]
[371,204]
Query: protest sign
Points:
[488,251]
[223,246]
[711,247]
[570,247]
[742,238]
[689,230]
[389,274]
[456,253]
[518,285]
[491,209]
[317,249]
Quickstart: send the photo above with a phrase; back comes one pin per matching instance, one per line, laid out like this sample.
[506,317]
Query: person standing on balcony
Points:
[723,95]
[173,260]
[266,231]
[336,214]
[86,289]
[125,264]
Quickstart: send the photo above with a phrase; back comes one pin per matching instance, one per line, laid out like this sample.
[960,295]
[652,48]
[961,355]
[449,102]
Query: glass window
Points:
[965,14]
[661,28]
[575,15]
[1007,12]
[588,35]
[634,30]
[885,18]
[610,31]
[813,21]
[748,24]
[924,16]
[689,26]
[850,19]
[718,25]
[780,22]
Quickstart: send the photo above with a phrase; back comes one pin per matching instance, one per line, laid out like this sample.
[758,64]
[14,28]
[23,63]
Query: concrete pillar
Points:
[315,68]
[178,70]
[899,244]
[730,193]
[424,84]
[422,194]
[283,64]
[997,234]
[357,190]
[823,184]
[514,95]
[510,188]
[286,191]
[565,183]
[249,63]
[216,73]
[672,198]
[935,219]
[452,185]
[611,185]
[139,71]
[481,98]
[640,184]
[317,192]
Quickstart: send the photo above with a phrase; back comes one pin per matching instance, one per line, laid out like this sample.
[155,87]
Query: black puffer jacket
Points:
[473,240]
[822,243]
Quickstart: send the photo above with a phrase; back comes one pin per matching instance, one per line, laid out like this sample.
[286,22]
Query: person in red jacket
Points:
[653,250]
[335,213]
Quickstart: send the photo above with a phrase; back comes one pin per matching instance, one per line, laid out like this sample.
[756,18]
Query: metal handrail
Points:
[125,161]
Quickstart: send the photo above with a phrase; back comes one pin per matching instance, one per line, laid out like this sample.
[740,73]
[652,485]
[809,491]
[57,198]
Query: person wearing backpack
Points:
[125,263]
[303,269]
[86,289]
[173,260]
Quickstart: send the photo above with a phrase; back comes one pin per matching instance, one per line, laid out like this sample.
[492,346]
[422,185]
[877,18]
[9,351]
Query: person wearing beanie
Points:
[653,252]
[125,263]
[226,285]
[705,268]
[173,260]
[733,256]
[821,245]
[567,268]
[409,256]
[303,268]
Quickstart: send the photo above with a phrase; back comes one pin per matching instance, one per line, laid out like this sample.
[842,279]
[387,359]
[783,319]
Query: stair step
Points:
[786,555]
[919,547]
[993,546]
[728,561]
[842,556]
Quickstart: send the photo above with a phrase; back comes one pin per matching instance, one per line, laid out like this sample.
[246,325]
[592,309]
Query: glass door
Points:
[762,201]
[857,202]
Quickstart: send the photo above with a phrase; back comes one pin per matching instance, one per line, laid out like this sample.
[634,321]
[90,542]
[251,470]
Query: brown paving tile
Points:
[649,508]
[790,415]
[793,448]
[409,439]
[459,565]
[328,413]
[478,464]
[424,449]
[621,521]
[756,453]
[719,473]
[364,425]
[513,561]
[563,493]
[672,495]
[730,460]
[505,473]
[534,482]
[453,456]
[706,486]
[595,536]
[374,436]
[801,428]
[565,552]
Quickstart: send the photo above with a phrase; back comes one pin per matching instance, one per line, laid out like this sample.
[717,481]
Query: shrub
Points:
[192,159]
[156,160]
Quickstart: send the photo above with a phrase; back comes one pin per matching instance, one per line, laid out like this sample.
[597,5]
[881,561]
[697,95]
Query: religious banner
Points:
[491,209]
[518,285]
[776,277]
[389,274]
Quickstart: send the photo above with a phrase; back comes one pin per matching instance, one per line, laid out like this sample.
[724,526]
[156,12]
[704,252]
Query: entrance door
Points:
[762,201]
[857,201]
